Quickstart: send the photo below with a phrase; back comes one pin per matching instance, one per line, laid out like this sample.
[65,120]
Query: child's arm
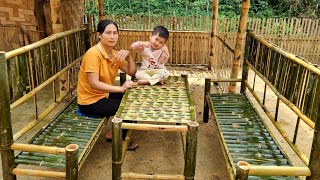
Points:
[164,57]
[139,45]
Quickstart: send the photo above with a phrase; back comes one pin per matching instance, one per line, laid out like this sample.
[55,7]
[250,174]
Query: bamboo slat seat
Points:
[67,128]
[166,107]
[244,134]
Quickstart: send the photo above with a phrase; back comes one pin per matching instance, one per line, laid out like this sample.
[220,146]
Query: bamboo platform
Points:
[67,128]
[244,134]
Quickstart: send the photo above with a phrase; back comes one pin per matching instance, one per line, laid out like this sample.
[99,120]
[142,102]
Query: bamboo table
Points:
[168,107]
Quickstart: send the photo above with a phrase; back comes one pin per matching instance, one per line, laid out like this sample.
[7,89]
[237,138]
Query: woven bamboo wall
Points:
[72,13]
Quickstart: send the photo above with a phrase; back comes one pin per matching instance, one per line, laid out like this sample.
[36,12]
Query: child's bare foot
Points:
[161,82]
[143,82]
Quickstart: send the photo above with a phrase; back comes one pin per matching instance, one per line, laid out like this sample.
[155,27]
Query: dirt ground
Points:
[161,152]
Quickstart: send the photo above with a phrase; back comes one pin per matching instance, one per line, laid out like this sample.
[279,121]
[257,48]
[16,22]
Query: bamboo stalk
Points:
[152,127]
[42,42]
[37,148]
[116,148]
[72,161]
[242,170]
[101,11]
[29,172]
[308,121]
[151,176]
[279,171]
[239,43]
[6,138]
[225,80]
[207,87]
[191,150]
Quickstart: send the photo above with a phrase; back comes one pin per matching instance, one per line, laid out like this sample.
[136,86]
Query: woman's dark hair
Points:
[102,25]
[163,32]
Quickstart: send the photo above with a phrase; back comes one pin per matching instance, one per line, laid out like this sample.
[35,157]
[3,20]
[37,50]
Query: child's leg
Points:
[143,77]
[161,75]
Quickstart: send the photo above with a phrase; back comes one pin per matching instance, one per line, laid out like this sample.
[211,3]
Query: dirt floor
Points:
[161,152]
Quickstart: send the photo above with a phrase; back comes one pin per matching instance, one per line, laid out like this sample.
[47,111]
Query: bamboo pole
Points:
[315,152]
[56,16]
[116,148]
[308,121]
[153,127]
[29,172]
[279,171]
[207,86]
[132,175]
[215,18]
[242,170]
[72,161]
[6,138]
[239,44]
[191,150]
[37,148]
[42,42]
[101,11]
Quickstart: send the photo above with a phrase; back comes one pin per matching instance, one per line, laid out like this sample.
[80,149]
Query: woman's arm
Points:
[96,84]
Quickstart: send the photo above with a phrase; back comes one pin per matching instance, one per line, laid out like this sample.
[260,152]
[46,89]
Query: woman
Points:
[96,93]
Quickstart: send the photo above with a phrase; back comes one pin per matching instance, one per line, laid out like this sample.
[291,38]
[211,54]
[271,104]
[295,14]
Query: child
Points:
[154,54]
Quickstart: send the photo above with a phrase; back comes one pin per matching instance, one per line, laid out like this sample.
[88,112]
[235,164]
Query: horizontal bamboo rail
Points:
[279,171]
[288,55]
[36,148]
[42,42]
[225,80]
[29,172]
[151,176]
[171,31]
[153,127]
[283,133]
[43,85]
[294,108]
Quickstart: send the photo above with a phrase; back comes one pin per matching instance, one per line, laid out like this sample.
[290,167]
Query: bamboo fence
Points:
[299,36]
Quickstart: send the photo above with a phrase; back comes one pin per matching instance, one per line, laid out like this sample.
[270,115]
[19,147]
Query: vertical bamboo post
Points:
[215,17]
[6,138]
[101,11]
[207,84]
[116,148]
[245,68]
[72,162]
[242,170]
[314,164]
[191,150]
[122,78]
[239,44]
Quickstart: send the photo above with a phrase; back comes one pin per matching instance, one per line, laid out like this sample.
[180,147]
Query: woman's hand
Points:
[122,54]
[127,85]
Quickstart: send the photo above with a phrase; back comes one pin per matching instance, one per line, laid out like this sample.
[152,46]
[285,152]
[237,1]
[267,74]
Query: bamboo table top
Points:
[245,135]
[170,102]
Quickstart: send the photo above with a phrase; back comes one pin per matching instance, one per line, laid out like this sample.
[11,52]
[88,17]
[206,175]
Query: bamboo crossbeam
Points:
[288,55]
[42,42]
[279,171]
[36,148]
[294,108]
[226,80]
[34,122]
[171,31]
[284,134]
[151,176]
[29,172]
[153,127]
[43,85]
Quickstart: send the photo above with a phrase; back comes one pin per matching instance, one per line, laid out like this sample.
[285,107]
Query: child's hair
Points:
[163,32]
[102,25]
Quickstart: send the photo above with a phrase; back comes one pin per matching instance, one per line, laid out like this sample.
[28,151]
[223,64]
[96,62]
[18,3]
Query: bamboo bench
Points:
[250,148]
[168,107]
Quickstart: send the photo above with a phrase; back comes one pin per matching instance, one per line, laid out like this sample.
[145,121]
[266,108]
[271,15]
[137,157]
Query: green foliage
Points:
[227,8]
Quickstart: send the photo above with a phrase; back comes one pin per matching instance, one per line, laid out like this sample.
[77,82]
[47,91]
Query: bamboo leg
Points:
[205,105]
[122,78]
[116,148]
[314,164]
[242,170]
[72,162]
[6,137]
[191,150]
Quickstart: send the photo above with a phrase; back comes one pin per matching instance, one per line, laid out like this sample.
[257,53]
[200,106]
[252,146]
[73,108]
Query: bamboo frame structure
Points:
[72,162]
[38,173]
[37,148]
[178,100]
[239,43]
